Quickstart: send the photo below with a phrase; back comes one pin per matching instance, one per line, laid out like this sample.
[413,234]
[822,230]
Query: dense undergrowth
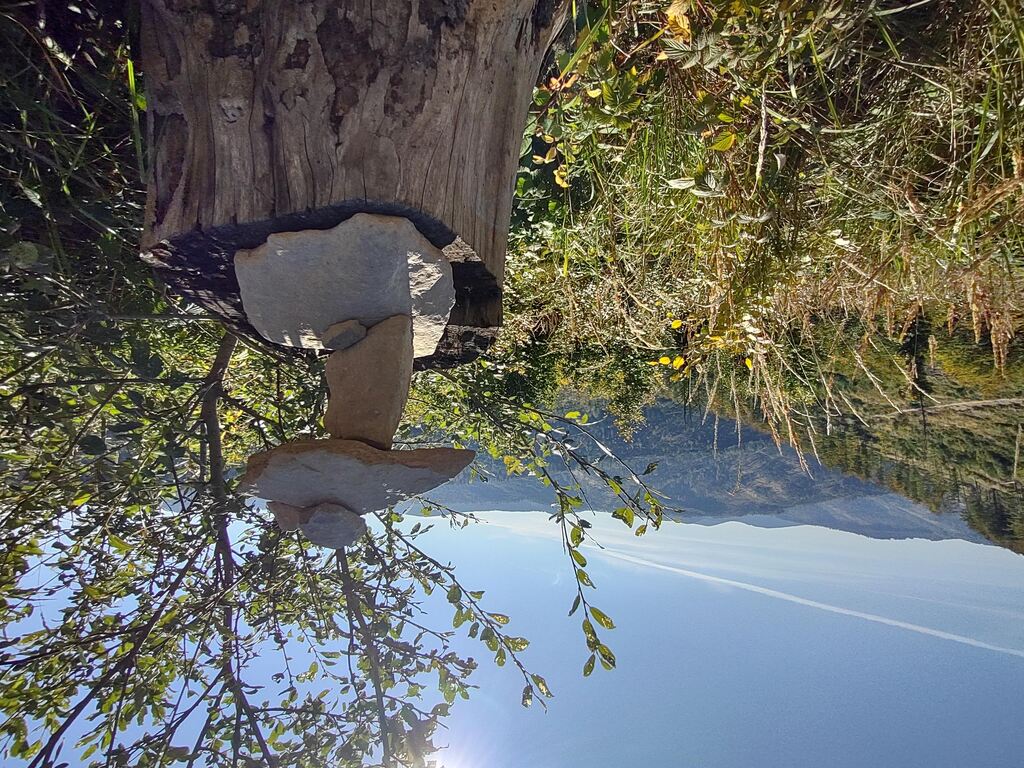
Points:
[709,182]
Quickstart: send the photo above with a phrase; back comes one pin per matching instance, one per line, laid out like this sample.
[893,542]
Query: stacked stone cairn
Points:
[375,294]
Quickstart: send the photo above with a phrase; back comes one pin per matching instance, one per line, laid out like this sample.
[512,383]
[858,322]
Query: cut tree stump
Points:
[267,116]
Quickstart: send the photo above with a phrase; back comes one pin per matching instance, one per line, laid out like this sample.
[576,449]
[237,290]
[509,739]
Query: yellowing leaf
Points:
[678,362]
[602,618]
[595,92]
[677,323]
[724,142]
[678,21]
[664,359]
[749,363]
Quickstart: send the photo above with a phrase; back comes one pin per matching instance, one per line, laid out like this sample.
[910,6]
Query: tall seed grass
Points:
[781,163]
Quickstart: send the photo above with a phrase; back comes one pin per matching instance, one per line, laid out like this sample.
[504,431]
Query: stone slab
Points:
[333,526]
[357,476]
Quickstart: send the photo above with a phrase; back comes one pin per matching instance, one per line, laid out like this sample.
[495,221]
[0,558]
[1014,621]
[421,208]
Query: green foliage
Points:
[137,590]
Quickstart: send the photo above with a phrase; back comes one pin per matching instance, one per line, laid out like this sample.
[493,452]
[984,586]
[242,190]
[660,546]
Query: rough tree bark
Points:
[269,116]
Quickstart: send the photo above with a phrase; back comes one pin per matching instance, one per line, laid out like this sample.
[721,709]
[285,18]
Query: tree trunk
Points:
[270,115]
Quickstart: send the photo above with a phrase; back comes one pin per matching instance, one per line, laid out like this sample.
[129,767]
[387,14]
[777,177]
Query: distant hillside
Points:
[709,473]
[956,444]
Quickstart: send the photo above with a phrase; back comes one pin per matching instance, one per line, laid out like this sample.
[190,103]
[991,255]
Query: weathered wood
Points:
[269,116]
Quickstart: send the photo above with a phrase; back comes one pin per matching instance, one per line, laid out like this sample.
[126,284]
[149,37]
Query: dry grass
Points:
[785,163]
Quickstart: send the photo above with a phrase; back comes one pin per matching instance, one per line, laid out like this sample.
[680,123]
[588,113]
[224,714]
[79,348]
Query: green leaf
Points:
[119,544]
[93,445]
[607,657]
[127,426]
[517,644]
[589,666]
[542,685]
[454,594]
[491,639]
[527,696]
[581,561]
[588,630]
[575,605]
[602,618]
[625,514]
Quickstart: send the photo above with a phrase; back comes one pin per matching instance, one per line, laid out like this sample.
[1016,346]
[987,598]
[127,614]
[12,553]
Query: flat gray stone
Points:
[359,477]
[369,384]
[298,284]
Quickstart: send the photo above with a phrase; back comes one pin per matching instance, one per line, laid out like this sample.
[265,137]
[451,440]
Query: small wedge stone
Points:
[343,335]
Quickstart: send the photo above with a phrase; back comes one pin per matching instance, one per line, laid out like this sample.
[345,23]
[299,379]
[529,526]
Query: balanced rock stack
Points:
[376,293]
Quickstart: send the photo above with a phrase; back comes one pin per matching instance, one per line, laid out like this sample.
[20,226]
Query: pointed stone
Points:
[369,384]
[326,525]
[333,526]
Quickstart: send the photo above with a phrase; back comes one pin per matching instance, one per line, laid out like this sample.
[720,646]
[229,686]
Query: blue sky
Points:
[748,646]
